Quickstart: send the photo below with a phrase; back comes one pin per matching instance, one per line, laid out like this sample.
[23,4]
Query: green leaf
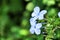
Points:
[40,37]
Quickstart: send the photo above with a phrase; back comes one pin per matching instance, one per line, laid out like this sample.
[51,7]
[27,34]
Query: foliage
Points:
[15,16]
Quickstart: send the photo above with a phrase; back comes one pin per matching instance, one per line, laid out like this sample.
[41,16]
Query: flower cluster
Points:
[37,14]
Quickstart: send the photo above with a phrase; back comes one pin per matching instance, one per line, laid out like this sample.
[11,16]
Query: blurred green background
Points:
[15,15]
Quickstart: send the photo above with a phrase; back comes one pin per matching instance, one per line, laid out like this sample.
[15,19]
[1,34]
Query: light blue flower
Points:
[35,12]
[40,17]
[38,14]
[37,31]
[59,14]
[38,25]
[32,29]
[33,21]
[36,9]
[43,12]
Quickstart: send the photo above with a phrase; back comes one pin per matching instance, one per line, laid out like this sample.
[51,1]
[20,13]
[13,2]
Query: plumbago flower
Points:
[37,14]
[58,14]
[36,29]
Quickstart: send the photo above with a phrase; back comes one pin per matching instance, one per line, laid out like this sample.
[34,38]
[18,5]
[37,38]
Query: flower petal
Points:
[43,12]
[38,25]
[32,30]
[33,21]
[37,31]
[41,16]
[34,14]
[36,9]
